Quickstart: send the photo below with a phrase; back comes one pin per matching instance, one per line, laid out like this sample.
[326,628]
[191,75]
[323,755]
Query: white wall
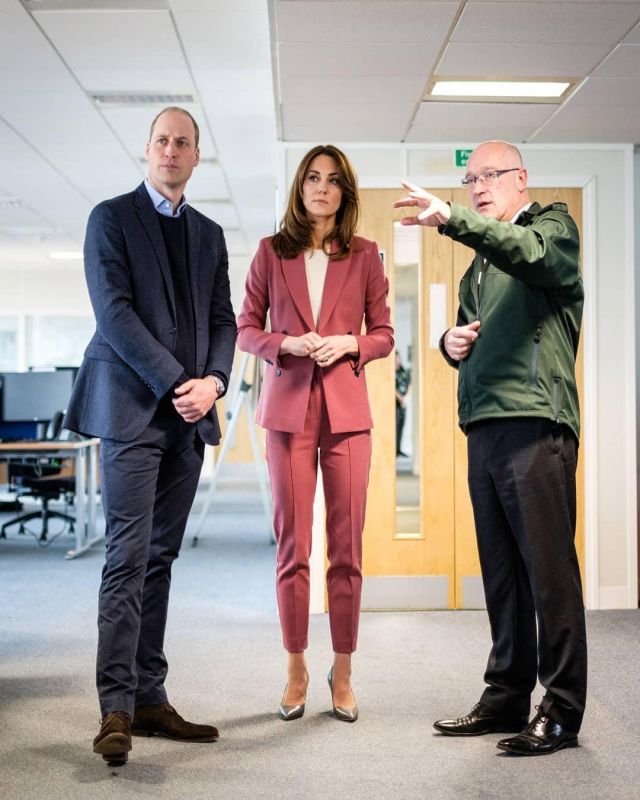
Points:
[61,292]
[605,172]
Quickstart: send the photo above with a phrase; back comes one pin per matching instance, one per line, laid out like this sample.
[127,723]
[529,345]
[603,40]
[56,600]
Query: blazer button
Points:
[278,373]
[172,330]
[286,333]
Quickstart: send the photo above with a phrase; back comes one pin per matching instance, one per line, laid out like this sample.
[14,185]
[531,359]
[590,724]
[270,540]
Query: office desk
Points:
[85,454]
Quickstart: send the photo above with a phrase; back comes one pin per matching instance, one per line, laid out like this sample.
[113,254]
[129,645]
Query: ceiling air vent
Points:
[10,202]
[139,99]
[96,5]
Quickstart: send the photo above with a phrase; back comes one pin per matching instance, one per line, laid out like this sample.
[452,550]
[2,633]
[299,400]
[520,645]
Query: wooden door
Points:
[437,566]
[411,570]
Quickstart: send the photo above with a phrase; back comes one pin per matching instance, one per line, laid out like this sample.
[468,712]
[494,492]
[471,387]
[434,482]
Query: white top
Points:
[315,265]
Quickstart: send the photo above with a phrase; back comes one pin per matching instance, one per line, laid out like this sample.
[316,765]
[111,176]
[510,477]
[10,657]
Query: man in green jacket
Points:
[514,344]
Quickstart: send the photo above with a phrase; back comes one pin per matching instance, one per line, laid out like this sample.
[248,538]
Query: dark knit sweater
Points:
[174,232]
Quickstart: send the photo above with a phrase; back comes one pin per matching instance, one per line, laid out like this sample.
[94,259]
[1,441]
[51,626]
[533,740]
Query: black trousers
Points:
[522,485]
[148,486]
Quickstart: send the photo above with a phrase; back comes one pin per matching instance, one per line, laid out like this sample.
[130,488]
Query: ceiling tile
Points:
[608,92]
[359,89]
[222,213]
[242,48]
[634,36]
[624,62]
[477,121]
[207,182]
[236,244]
[121,176]
[575,123]
[471,59]
[360,59]
[344,123]
[218,6]
[546,23]
[87,39]
[339,22]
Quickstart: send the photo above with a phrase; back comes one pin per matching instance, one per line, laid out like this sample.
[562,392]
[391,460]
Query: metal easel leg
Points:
[258,460]
[244,396]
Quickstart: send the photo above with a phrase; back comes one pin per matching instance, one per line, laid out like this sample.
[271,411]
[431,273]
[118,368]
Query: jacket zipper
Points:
[480,288]
[533,368]
[478,306]
[554,399]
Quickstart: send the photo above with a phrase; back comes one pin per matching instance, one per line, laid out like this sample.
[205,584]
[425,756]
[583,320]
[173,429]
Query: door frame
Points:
[383,164]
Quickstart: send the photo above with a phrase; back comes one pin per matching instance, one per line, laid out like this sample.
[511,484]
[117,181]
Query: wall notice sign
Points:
[462,157]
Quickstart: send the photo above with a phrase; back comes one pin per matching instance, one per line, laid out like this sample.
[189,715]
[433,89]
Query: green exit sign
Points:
[462,157]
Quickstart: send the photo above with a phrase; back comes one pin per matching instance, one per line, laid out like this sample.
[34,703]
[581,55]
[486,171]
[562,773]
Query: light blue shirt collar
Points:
[161,204]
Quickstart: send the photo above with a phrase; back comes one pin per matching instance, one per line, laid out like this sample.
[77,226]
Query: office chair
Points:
[43,482]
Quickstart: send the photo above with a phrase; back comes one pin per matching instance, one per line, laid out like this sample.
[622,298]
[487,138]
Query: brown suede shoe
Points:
[113,742]
[161,719]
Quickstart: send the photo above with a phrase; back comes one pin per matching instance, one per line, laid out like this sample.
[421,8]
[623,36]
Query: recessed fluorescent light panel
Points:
[498,91]
[66,255]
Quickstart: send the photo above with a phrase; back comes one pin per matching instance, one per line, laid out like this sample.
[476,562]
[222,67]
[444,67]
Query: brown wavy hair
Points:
[294,236]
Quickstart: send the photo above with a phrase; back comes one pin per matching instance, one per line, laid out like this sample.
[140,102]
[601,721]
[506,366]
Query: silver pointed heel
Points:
[340,712]
[287,713]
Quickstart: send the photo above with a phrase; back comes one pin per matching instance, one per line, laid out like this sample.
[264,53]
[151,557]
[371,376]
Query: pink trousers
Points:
[345,459]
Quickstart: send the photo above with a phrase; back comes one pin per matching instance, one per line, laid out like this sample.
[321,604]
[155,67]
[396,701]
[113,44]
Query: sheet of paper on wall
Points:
[437,313]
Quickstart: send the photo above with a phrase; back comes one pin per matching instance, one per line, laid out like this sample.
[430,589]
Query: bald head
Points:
[502,189]
[496,148]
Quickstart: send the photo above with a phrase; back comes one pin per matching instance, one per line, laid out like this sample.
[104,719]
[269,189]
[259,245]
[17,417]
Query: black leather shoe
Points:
[161,719]
[541,737]
[480,720]
[113,742]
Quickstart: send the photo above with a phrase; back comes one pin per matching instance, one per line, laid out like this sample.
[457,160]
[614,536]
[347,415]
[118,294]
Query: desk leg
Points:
[92,488]
[81,533]
[86,525]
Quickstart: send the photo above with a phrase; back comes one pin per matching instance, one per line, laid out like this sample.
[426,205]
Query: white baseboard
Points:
[614,597]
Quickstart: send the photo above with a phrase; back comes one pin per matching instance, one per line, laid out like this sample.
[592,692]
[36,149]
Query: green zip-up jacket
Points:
[525,287]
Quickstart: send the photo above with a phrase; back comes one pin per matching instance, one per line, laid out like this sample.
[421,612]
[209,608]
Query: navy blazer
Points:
[129,363]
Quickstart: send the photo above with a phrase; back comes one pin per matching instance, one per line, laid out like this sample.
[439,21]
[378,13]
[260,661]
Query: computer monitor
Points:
[34,396]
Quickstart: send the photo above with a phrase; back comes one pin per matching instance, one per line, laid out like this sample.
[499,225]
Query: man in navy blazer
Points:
[157,273]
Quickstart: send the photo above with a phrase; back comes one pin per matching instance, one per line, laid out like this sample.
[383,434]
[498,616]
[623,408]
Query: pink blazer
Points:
[355,288]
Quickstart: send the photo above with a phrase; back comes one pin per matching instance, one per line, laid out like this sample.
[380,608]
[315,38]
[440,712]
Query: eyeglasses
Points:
[486,177]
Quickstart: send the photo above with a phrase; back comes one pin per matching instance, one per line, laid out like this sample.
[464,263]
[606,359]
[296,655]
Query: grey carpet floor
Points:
[227,666]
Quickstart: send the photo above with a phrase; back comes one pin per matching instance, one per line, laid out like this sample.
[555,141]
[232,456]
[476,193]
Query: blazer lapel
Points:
[336,276]
[148,217]
[295,277]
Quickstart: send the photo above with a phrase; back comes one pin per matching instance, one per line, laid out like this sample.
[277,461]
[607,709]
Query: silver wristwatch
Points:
[219,384]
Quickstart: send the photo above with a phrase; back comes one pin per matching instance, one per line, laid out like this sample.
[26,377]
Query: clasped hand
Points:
[324,350]
[195,398]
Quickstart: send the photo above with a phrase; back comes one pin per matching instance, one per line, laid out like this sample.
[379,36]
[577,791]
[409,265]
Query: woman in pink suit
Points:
[318,281]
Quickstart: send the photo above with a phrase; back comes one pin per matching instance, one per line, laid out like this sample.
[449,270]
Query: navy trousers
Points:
[522,485]
[148,486]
